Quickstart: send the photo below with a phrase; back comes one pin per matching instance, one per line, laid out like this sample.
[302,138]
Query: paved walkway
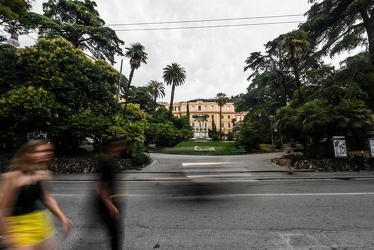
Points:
[245,167]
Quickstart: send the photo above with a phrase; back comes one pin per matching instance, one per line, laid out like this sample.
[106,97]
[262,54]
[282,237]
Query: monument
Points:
[201,129]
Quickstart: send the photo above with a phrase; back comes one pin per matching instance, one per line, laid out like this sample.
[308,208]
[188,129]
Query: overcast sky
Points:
[212,57]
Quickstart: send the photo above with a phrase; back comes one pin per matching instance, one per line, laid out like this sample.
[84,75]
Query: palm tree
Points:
[174,75]
[296,43]
[157,90]
[221,100]
[137,56]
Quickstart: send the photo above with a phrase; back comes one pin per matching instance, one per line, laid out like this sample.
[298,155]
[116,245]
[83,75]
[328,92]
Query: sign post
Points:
[371,147]
[340,147]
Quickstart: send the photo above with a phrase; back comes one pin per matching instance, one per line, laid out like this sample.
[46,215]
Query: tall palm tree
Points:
[137,56]
[157,90]
[174,75]
[221,100]
[296,44]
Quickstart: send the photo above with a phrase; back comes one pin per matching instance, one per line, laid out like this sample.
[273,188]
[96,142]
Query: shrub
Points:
[140,159]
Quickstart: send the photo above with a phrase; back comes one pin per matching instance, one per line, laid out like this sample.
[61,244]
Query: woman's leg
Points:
[48,244]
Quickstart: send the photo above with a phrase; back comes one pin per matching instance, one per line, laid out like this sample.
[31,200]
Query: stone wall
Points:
[346,164]
[64,165]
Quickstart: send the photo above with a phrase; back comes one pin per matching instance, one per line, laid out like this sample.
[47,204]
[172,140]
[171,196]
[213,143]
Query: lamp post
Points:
[143,132]
[271,131]
[119,81]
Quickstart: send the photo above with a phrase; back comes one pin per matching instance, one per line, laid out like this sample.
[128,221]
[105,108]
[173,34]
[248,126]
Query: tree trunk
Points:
[220,122]
[369,27]
[371,42]
[154,103]
[298,83]
[171,102]
[282,88]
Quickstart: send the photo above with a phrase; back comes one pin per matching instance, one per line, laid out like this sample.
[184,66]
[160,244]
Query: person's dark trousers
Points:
[113,227]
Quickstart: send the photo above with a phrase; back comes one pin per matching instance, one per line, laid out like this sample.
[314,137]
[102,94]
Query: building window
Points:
[199,108]
[193,107]
[228,108]
[222,117]
[228,117]
[229,125]
[205,107]
[212,107]
[193,125]
[222,125]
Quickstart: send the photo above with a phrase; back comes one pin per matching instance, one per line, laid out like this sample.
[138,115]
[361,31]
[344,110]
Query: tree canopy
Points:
[78,22]
[340,25]
[57,90]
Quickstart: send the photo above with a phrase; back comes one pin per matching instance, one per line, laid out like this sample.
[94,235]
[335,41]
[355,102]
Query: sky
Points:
[213,57]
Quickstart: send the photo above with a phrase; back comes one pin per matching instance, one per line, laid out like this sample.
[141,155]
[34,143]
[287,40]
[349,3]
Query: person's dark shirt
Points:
[28,199]
[107,173]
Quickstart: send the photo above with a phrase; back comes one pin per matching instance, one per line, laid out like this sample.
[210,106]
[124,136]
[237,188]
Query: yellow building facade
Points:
[202,113]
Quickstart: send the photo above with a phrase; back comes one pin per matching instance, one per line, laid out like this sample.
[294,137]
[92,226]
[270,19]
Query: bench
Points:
[150,149]
[238,151]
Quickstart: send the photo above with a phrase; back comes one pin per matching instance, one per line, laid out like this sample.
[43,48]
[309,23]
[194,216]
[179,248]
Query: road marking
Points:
[291,194]
[308,194]
[186,164]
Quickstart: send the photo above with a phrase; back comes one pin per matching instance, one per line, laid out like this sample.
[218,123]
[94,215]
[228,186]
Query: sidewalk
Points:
[167,167]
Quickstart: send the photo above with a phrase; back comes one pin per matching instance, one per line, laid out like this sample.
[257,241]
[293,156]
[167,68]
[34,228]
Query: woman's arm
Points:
[7,197]
[50,203]
[103,191]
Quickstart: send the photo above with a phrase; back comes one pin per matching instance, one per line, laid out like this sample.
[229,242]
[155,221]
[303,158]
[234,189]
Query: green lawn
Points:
[220,147]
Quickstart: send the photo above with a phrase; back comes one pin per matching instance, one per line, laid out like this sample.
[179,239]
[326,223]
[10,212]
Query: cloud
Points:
[213,57]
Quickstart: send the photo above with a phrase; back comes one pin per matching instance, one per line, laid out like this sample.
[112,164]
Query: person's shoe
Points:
[290,172]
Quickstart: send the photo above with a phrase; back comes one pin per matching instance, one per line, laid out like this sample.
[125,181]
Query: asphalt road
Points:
[236,202]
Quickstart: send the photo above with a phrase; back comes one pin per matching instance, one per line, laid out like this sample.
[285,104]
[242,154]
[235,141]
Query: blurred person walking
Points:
[25,223]
[109,204]
[288,155]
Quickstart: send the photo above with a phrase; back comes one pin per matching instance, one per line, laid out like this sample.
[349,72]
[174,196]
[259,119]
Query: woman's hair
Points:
[21,156]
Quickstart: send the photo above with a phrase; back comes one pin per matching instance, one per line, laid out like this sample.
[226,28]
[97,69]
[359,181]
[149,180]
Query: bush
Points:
[141,159]
[215,137]
[278,144]
[251,135]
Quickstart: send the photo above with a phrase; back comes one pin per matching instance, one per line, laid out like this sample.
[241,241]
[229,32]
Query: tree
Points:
[11,10]
[9,72]
[25,110]
[82,91]
[164,132]
[272,64]
[174,75]
[262,93]
[340,25]
[221,100]
[157,90]
[318,119]
[142,97]
[296,44]
[137,56]
[251,135]
[78,22]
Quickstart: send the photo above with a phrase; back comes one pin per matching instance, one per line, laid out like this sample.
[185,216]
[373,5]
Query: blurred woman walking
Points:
[25,223]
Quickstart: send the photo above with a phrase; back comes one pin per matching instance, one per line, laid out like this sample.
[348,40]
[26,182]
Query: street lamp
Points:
[119,81]
[271,130]
[143,132]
